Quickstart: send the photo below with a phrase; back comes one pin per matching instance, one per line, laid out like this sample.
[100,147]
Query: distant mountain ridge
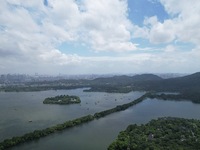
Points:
[152,81]
[188,86]
[146,77]
[124,79]
[176,84]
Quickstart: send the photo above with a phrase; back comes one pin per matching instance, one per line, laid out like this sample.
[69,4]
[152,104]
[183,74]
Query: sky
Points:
[99,36]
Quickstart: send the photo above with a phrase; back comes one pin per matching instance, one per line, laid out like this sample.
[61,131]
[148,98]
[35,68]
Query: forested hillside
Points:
[164,133]
[187,86]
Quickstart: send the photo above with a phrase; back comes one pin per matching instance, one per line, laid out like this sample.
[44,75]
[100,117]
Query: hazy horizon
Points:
[163,75]
[99,37]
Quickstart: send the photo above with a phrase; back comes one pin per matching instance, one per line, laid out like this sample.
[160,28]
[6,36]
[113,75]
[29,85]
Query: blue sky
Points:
[139,9]
[99,37]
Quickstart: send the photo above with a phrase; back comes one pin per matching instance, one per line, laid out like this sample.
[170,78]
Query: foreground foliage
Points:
[162,134]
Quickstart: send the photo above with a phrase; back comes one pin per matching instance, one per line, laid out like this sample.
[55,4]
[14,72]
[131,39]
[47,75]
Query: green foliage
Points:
[41,133]
[62,99]
[68,124]
[120,107]
[38,87]
[187,86]
[164,133]
[188,95]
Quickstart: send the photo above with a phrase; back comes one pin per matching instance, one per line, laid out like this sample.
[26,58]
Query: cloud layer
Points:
[31,32]
[183,25]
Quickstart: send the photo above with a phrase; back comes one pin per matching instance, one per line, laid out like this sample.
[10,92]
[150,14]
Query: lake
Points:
[22,112]
[98,134]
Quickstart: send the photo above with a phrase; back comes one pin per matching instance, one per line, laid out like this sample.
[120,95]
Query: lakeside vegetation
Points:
[7,143]
[188,86]
[109,89]
[62,99]
[121,107]
[48,86]
[164,133]
[194,97]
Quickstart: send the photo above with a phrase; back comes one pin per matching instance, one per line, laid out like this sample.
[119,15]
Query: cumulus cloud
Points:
[31,31]
[106,23]
[162,33]
[155,31]
[103,25]
[186,20]
[56,57]
[170,48]
[183,24]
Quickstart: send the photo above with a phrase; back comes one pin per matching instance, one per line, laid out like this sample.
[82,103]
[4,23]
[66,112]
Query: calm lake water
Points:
[17,109]
[95,135]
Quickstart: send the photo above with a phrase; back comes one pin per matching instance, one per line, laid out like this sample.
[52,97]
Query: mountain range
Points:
[188,86]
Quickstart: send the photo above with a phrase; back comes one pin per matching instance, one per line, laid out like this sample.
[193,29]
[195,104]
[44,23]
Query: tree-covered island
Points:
[62,99]
[8,143]
[166,133]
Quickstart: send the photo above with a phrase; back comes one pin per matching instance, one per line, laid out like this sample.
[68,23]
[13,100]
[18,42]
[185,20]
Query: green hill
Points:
[164,133]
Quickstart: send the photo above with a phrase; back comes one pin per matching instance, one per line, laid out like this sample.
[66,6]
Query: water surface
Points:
[98,134]
[22,112]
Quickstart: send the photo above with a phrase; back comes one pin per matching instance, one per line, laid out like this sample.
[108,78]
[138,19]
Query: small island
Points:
[62,99]
[164,133]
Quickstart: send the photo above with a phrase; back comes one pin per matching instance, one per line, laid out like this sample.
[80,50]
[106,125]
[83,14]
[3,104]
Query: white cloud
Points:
[183,25]
[151,20]
[155,31]
[170,48]
[30,28]
[31,32]
[162,33]
[96,23]
[170,61]
[106,26]
[56,57]
[187,20]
